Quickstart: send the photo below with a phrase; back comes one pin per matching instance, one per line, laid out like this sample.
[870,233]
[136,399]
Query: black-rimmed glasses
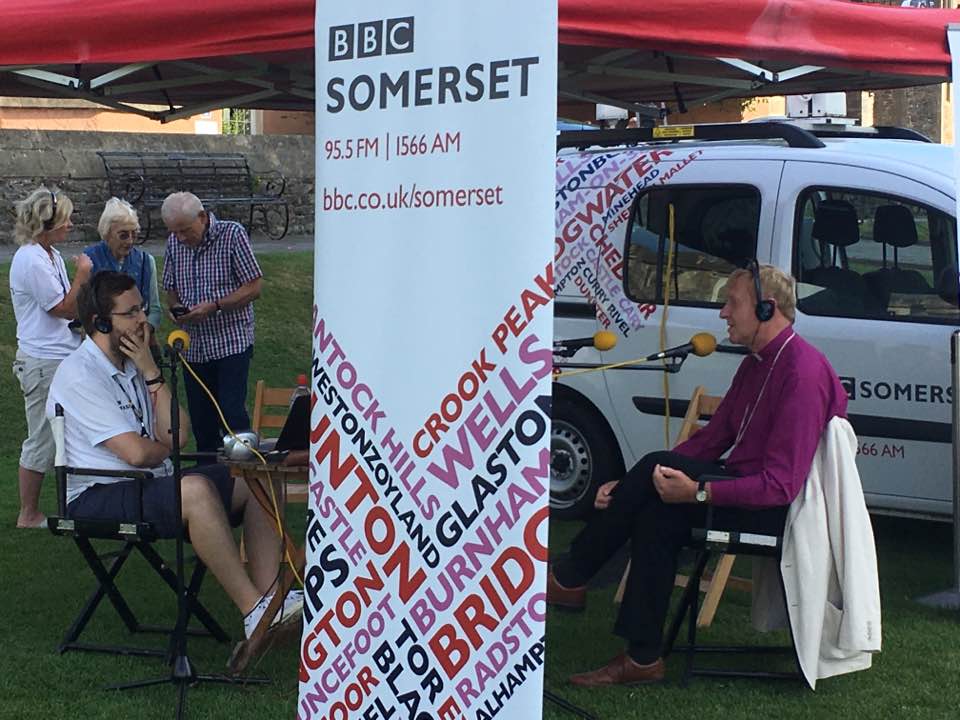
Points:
[130,314]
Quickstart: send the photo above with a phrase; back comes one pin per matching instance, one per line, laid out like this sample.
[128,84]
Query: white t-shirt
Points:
[38,283]
[99,402]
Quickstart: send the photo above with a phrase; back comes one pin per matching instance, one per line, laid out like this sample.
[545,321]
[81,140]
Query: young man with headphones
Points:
[117,417]
[767,428]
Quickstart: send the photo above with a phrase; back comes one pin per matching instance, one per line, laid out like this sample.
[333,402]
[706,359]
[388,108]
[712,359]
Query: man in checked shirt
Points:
[211,278]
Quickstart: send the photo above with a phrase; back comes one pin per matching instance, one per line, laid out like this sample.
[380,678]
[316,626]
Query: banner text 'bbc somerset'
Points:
[494,79]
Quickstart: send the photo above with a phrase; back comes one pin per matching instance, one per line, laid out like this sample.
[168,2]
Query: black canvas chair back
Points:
[134,534]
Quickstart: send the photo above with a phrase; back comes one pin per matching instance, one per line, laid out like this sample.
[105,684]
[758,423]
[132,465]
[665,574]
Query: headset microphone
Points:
[179,340]
[701,345]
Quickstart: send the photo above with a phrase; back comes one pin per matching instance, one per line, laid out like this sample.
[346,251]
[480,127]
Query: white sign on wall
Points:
[427,523]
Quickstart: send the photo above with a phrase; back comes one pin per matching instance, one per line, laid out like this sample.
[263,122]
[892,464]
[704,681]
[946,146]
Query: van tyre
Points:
[582,455]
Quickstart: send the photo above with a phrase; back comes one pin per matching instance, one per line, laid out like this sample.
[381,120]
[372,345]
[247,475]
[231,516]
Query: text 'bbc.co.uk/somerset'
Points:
[404,197]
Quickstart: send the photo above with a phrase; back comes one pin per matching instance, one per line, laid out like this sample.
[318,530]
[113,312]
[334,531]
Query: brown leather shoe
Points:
[621,671]
[566,598]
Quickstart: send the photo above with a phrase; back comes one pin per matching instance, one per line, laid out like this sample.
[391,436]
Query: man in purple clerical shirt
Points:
[770,422]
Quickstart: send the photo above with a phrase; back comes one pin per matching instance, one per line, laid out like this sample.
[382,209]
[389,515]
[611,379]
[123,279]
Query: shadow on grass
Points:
[914,676]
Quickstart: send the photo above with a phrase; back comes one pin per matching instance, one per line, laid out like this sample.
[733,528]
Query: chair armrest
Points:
[200,456]
[95,472]
[716,478]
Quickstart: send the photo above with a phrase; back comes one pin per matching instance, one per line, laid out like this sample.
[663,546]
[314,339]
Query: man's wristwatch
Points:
[701,495]
[219,309]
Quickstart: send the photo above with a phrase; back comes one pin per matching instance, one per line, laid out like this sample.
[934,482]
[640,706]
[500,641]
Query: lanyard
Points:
[136,408]
[56,269]
[745,422]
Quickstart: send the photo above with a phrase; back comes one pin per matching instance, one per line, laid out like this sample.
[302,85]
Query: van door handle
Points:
[733,349]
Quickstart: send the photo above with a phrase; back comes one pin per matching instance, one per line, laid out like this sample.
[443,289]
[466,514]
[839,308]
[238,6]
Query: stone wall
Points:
[70,161]
[917,108]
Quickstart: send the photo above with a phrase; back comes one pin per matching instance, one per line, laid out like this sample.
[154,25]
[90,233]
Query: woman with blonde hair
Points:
[44,303]
[119,228]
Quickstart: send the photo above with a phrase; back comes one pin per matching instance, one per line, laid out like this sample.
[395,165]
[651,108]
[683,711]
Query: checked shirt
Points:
[210,271]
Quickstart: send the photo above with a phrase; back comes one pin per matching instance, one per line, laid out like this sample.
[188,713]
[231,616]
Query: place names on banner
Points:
[378,553]
[595,193]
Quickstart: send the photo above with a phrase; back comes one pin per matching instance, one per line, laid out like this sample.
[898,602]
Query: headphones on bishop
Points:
[102,322]
[48,223]
[764,308]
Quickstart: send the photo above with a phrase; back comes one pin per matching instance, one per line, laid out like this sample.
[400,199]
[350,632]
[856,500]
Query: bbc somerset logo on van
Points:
[859,389]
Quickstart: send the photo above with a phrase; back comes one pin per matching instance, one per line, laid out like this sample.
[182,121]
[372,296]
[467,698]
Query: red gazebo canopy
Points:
[249,53]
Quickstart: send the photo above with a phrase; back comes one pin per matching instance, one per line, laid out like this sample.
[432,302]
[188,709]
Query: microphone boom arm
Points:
[673,366]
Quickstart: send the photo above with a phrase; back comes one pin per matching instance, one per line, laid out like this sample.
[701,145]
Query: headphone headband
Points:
[48,223]
[101,321]
[764,308]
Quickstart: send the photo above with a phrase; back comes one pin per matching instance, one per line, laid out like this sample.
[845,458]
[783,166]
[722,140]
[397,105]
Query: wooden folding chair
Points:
[701,407]
[270,408]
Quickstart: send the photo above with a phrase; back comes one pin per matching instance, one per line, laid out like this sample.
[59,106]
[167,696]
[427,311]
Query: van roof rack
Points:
[884,132]
[794,136]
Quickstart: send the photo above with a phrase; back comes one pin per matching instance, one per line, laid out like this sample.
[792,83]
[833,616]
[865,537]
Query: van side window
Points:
[715,232]
[872,256]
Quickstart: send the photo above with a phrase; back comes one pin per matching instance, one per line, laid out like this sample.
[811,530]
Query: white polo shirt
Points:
[99,402]
[38,282]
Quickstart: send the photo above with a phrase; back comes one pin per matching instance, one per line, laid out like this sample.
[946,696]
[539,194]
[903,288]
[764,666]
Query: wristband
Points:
[158,380]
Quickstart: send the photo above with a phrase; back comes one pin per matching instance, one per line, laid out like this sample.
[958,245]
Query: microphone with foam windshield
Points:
[701,345]
[602,340]
[179,340]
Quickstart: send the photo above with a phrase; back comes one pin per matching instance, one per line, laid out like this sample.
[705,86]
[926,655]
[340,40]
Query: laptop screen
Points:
[295,434]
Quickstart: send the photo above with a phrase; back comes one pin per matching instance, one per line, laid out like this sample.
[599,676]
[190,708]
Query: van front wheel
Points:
[582,456]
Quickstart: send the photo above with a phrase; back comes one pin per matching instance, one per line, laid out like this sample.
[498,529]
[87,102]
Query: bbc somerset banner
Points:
[432,335]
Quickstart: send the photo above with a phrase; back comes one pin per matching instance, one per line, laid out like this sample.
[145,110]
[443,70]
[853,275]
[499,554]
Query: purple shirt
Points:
[216,267]
[779,437]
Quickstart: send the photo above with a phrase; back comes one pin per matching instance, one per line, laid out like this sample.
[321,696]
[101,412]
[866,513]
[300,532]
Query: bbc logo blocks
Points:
[392,36]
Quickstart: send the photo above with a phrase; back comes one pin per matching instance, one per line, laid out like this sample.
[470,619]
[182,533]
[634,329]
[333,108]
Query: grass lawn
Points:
[43,582]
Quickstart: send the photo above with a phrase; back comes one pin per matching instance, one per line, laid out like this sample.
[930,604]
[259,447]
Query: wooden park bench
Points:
[144,179]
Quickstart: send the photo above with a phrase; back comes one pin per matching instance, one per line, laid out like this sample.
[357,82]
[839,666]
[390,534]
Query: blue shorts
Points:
[119,500]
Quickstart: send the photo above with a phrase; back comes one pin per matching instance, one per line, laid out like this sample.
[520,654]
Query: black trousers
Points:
[657,531]
[227,380]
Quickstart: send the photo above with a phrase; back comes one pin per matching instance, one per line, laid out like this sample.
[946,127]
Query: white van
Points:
[863,218]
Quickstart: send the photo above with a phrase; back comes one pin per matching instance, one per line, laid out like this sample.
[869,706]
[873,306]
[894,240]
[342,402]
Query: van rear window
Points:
[872,256]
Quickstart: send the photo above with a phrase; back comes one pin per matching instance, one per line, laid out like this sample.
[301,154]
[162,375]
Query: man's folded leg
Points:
[658,532]
[604,534]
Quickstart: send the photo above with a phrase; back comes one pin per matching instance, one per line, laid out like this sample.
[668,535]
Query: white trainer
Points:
[291,612]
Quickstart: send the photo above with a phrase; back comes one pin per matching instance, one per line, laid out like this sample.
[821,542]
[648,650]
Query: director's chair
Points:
[134,534]
[715,539]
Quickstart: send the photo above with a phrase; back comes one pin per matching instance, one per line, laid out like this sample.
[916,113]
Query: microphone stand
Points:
[676,362]
[182,673]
